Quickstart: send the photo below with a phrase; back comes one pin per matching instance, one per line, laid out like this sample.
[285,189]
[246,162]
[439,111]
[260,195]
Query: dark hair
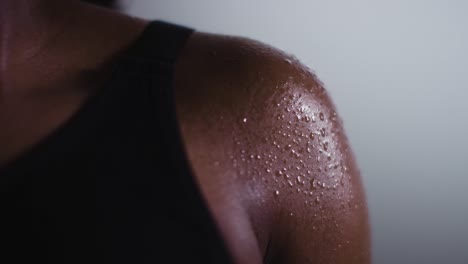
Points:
[104,3]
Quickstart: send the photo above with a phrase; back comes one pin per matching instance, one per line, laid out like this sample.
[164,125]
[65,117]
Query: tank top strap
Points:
[161,41]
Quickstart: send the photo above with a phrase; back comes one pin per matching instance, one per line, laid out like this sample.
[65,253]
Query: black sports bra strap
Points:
[161,41]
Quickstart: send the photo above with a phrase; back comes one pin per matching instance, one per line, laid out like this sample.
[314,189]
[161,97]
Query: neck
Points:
[27,28]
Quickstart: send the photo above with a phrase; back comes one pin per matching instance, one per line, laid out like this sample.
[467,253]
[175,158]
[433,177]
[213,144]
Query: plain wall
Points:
[397,71]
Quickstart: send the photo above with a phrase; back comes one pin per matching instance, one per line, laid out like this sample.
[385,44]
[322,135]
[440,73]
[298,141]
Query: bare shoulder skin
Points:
[270,155]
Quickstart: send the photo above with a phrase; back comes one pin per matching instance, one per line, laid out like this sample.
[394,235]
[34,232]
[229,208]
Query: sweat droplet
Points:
[321,116]
[313,184]
[244,120]
[276,193]
[322,131]
[312,135]
[325,145]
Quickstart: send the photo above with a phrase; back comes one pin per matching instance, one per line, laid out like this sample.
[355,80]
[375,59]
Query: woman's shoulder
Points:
[269,153]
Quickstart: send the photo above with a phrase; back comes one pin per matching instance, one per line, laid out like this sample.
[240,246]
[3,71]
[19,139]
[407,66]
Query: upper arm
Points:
[265,123]
[309,170]
[322,216]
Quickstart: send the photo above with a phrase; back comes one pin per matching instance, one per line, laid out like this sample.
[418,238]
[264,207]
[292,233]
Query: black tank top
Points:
[112,184]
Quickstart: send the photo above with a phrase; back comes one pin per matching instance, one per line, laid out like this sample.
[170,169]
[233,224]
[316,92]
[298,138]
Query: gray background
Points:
[397,72]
